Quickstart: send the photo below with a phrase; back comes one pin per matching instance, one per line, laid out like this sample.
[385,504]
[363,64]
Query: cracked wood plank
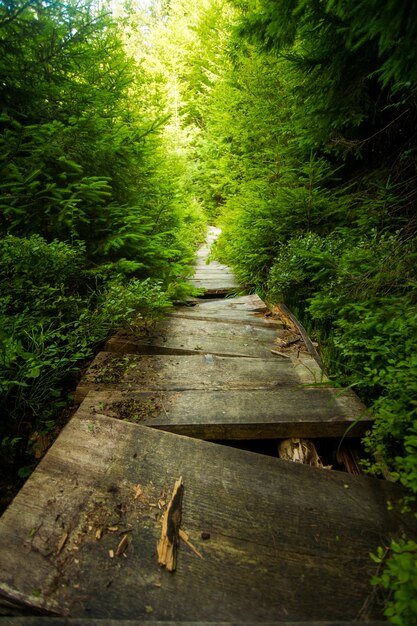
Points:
[190,336]
[238,414]
[282,534]
[176,373]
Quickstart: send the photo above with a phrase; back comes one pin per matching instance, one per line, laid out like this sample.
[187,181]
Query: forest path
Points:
[266,540]
[215,278]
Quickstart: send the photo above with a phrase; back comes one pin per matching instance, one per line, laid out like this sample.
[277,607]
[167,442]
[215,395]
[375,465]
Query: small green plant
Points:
[398,575]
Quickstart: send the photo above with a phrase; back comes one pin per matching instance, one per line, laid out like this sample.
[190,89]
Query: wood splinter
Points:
[300,450]
[168,543]
[183,535]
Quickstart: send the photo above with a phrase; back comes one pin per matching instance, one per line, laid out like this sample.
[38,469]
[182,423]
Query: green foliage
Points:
[83,163]
[359,296]
[53,313]
[330,231]
[95,227]
[307,158]
[291,123]
[399,576]
[188,41]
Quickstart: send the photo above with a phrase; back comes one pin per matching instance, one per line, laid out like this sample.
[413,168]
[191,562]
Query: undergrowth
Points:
[311,148]
[97,226]
[53,314]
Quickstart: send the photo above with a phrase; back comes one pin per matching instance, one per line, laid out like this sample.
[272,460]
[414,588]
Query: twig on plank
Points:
[280,354]
[183,535]
[62,542]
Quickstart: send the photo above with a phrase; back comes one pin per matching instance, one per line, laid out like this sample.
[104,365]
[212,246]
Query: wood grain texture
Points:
[238,414]
[201,263]
[212,268]
[244,310]
[251,302]
[177,373]
[189,336]
[216,287]
[287,542]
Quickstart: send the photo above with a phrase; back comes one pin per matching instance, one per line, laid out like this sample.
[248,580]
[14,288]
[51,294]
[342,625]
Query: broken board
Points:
[204,372]
[189,336]
[243,310]
[237,414]
[282,541]
[216,286]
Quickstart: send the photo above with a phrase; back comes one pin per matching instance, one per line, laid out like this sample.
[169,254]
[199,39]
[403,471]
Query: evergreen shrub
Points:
[53,314]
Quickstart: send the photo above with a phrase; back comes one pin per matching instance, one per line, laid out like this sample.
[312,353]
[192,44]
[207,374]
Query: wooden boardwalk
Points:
[262,540]
[214,278]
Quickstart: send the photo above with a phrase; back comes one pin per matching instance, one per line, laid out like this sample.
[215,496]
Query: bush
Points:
[53,313]
[399,576]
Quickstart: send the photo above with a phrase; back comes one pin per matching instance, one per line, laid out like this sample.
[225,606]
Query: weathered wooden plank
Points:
[211,328]
[220,282]
[206,282]
[122,343]
[238,414]
[175,373]
[210,273]
[202,253]
[231,317]
[251,302]
[178,325]
[188,336]
[213,277]
[244,310]
[201,263]
[213,267]
[216,288]
[213,283]
[281,535]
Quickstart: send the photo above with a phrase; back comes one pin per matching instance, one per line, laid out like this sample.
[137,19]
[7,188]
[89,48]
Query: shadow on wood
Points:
[282,541]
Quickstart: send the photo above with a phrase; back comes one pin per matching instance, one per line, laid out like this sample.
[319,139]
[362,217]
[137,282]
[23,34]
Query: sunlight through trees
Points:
[125,127]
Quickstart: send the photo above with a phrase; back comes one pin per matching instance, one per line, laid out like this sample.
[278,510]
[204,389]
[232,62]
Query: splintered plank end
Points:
[168,543]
